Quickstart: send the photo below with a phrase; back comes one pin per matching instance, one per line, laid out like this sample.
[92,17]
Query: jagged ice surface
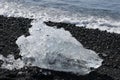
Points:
[56,49]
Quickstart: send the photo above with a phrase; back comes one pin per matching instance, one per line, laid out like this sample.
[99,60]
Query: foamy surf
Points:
[28,9]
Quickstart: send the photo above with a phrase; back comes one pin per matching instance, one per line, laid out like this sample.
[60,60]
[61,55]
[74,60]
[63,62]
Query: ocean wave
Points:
[25,9]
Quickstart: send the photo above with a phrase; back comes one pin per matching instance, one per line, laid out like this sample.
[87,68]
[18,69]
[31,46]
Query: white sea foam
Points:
[47,47]
[24,8]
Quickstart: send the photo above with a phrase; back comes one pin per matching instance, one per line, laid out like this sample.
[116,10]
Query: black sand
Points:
[107,44]
[10,30]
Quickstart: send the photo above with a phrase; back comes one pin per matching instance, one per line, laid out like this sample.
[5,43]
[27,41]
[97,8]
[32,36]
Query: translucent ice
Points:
[56,49]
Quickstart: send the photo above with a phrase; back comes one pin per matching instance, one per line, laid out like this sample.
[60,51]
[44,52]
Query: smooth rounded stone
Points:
[1,62]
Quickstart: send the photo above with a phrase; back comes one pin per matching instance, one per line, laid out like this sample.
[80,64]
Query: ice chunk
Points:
[11,63]
[56,49]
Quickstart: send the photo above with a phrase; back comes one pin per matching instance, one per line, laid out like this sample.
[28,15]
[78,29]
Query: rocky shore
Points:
[107,45]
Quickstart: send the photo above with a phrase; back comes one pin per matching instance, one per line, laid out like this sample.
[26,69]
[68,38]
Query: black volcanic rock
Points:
[10,29]
[106,44]
[35,73]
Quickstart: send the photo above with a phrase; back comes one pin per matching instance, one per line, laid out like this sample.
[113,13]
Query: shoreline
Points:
[102,42]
